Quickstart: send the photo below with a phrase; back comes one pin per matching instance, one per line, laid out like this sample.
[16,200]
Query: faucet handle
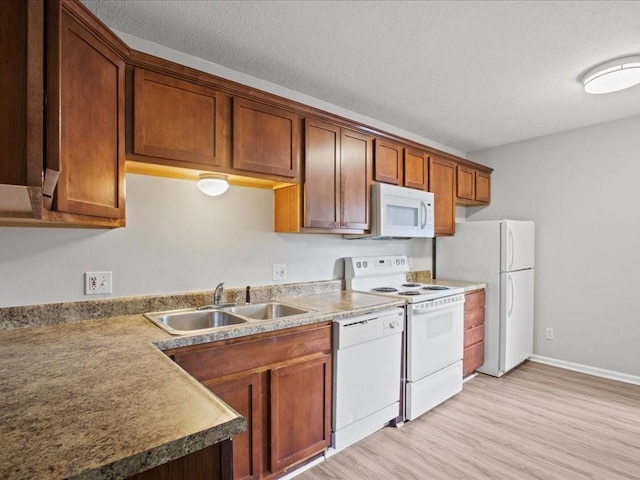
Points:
[247,298]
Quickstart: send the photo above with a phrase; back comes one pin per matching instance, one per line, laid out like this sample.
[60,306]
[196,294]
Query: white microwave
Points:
[399,212]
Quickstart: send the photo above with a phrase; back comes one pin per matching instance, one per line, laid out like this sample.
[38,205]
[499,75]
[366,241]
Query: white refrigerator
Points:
[499,253]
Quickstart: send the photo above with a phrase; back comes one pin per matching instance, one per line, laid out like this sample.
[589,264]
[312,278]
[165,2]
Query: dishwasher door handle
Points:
[356,324]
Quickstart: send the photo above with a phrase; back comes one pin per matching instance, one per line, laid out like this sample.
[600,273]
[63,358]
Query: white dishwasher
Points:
[367,374]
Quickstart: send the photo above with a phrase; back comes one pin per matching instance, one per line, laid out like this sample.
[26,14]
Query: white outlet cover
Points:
[97,283]
[279,271]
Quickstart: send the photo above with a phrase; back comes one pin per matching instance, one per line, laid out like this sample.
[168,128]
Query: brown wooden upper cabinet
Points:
[266,139]
[473,186]
[442,182]
[388,165]
[337,179]
[400,165]
[416,169]
[180,121]
[78,176]
[85,143]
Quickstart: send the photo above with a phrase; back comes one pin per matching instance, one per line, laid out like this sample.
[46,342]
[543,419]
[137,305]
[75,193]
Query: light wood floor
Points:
[537,422]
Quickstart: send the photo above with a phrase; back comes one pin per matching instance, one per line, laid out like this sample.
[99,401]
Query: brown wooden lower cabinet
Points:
[473,356]
[281,383]
[300,422]
[211,463]
[245,395]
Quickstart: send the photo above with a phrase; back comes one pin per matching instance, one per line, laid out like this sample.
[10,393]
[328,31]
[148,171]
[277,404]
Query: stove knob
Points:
[359,264]
[364,264]
[402,261]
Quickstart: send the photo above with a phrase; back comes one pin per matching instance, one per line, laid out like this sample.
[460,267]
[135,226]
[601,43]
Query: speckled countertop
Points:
[468,286]
[98,399]
[424,276]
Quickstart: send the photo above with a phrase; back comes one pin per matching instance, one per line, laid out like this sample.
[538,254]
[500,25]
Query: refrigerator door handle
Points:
[512,248]
[511,294]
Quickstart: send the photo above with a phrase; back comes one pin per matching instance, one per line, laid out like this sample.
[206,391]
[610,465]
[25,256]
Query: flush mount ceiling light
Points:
[614,75]
[212,184]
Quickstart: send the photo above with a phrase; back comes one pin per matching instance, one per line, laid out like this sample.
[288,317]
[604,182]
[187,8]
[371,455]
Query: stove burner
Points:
[435,287]
[409,293]
[384,289]
[410,284]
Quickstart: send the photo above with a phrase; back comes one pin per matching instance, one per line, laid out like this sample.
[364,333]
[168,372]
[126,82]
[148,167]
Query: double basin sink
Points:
[193,320]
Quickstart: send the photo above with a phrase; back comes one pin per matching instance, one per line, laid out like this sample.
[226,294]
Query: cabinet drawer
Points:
[473,318]
[473,358]
[473,335]
[474,300]
[217,361]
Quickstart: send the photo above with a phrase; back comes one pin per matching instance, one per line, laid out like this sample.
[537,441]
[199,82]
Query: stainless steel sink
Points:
[191,320]
[194,320]
[267,311]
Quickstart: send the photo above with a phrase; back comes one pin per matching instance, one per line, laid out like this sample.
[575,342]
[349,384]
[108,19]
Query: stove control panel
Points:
[380,265]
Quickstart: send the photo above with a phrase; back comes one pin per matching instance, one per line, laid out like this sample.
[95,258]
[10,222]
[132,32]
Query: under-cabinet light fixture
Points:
[212,184]
[612,76]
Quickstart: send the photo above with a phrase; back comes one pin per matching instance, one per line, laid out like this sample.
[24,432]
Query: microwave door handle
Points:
[423,215]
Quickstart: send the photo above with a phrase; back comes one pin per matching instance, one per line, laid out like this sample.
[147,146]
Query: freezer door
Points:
[517,245]
[516,318]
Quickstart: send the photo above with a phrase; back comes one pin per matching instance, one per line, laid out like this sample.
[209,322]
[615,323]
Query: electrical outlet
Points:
[279,271]
[97,283]
[548,333]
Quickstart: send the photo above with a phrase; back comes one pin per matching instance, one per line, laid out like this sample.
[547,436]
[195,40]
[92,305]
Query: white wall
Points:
[581,188]
[177,240]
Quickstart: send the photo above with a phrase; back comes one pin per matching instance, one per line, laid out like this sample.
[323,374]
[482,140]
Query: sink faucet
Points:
[217,294]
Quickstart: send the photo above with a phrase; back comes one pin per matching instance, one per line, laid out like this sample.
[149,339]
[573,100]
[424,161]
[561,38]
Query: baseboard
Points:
[470,377]
[577,367]
[303,468]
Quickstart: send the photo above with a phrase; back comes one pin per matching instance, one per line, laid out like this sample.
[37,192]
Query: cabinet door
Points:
[483,187]
[211,463]
[300,411]
[416,169]
[244,395]
[21,92]
[85,119]
[355,179]
[321,178]
[266,139]
[466,183]
[442,177]
[388,162]
[179,120]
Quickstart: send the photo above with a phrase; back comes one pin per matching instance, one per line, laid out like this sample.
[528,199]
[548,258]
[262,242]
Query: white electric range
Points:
[434,326]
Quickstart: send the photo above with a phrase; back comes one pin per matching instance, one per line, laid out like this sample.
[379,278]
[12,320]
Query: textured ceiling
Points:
[466,74]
